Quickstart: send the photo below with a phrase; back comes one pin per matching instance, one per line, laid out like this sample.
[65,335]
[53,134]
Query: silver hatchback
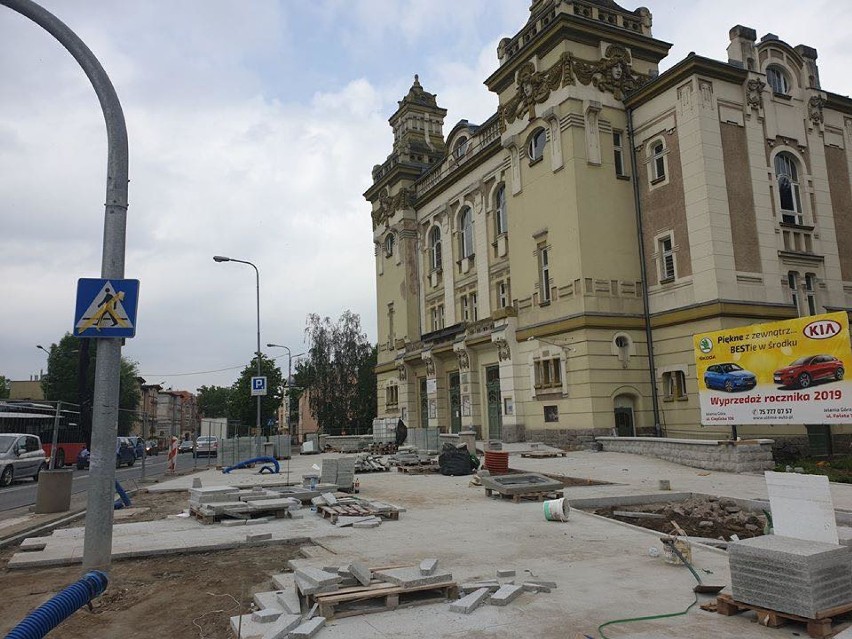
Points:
[206,446]
[21,456]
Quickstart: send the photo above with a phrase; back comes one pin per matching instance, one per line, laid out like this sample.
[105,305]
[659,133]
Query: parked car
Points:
[124,454]
[729,377]
[138,445]
[21,455]
[206,446]
[152,447]
[803,371]
[185,446]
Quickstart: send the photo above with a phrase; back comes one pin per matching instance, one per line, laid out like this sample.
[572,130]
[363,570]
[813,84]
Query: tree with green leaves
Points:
[340,374]
[243,407]
[213,401]
[4,387]
[71,378]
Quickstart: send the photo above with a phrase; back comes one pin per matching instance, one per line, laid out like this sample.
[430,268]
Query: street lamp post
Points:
[289,374]
[222,258]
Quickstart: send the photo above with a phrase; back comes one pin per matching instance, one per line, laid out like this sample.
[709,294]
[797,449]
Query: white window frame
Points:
[778,79]
[536,145]
[466,244]
[666,262]
[657,155]
[544,280]
[501,220]
[548,374]
[390,242]
[786,167]
[435,256]
[618,153]
[460,148]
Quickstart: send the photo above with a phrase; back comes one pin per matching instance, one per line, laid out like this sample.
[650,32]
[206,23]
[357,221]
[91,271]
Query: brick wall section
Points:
[698,453]
[740,199]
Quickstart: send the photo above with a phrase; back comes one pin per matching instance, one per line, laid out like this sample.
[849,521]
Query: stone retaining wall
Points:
[754,455]
[567,438]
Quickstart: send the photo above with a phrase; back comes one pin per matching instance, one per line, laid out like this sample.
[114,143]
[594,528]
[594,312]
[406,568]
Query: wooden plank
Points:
[819,628]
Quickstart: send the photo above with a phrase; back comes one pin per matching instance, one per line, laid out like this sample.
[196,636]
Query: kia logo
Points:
[822,329]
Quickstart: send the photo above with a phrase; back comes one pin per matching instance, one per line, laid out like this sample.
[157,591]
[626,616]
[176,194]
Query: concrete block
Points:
[531,587]
[539,582]
[361,572]
[816,576]
[258,521]
[259,537]
[196,482]
[428,566]
[248,628]
[266,615]
[471,602]
[408,577]
[268,599]
[330,499]
[307,587]
[342,522]
[505,595]
[319,577]
[289,601]
[282,626]
[374,522]
[505,573]
[492,586]
[312,612]
[233,522]
[308,629]
[284,580]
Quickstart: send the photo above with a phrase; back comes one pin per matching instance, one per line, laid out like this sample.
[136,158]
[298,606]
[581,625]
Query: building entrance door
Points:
[424,404]
[455,403]
[624,421]
[495,408]
[819,438]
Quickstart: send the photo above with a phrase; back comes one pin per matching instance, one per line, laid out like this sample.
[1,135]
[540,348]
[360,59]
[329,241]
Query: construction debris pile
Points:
[308,597]
[369,463]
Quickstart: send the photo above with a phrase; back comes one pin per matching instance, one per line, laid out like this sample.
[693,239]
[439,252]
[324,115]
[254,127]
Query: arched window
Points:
[776,77]
[460,147]
[658,161]
[435,248]
[787,175]
[466,232]
[535,148]
[501,221]
[389,243]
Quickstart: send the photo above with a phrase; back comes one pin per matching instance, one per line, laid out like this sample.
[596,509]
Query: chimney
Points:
[810,56]
[741,50]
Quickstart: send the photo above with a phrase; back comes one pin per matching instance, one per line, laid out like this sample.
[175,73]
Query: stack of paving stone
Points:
[367,463]
[340,472]
[211,502]
[496,592]
[408,457]
[791,576]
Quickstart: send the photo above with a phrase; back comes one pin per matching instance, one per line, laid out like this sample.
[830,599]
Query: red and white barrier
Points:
[173,452]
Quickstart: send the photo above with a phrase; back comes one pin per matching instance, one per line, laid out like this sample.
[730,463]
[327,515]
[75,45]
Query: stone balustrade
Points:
[744,456]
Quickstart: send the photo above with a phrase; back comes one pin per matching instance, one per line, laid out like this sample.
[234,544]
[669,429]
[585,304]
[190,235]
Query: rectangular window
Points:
[618,152]
[440,316]
[465,308]
[667,263]
[551,414]
[810,293]
[793,284]
[503,294]
[659,162]
[547,374]
[473,312]
[544,273]
[391,395]
[434,318]
[674,385]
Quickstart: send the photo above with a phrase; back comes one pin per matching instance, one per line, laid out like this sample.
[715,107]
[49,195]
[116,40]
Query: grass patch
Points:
[838,469]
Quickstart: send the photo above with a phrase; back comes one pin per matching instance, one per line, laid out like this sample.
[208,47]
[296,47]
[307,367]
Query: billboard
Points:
[793,371]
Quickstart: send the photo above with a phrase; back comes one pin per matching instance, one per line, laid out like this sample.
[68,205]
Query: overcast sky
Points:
[253,127]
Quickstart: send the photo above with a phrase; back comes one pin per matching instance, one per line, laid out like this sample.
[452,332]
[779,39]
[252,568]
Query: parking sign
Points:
[258,386]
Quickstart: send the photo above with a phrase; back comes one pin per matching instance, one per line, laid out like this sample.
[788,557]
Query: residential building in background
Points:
[541,275]
[27,389]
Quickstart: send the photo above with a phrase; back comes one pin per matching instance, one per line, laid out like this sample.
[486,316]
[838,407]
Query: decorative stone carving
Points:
[815,106]
[390,204]
[403,375]
[534,87]
[754,93]
[430,366]
[613,74]
[464,360]
[503,352]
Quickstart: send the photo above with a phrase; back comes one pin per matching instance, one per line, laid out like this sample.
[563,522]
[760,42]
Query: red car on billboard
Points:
[804,371]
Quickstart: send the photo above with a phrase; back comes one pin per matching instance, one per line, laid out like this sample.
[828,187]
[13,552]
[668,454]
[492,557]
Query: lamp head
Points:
[221,258]
[39,346]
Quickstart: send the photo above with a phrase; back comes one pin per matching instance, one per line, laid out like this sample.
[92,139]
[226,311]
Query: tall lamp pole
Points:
[289,374]
[222,258]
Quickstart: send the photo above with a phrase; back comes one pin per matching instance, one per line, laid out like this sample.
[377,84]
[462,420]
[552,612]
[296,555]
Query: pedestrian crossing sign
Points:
[106,308]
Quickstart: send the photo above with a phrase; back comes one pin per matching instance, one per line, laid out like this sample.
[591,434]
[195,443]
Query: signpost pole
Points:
[97,548]
[55,439]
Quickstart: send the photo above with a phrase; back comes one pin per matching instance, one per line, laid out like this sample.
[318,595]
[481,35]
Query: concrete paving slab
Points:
[267,600]
[411,577]
[307,629]
[361,572]
[471,602]
[505,595]
[282,626]
[266,615]
[428,566]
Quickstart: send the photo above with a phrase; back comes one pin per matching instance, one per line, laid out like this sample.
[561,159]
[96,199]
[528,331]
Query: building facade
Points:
[540,276]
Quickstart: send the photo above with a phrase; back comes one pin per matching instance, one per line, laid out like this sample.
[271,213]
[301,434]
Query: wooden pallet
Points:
[423,469]
[533,495]
[341,510]
[381,597]
[819,627]
[544,454]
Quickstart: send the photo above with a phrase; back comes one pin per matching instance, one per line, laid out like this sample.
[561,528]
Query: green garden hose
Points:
[649,618]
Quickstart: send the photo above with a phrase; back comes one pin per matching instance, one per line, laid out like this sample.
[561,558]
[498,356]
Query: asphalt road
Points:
[23,492]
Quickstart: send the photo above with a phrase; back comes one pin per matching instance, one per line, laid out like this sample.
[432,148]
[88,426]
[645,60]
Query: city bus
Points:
[37,418]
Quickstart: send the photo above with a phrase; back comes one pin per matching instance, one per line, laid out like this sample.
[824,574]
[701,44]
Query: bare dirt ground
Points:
[699,517]
[191,595]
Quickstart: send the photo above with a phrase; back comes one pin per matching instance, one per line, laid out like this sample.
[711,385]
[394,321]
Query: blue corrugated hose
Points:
[52,613]
[256,460]
[123,500]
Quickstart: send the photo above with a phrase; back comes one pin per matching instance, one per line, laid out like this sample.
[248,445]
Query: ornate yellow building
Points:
[540,276]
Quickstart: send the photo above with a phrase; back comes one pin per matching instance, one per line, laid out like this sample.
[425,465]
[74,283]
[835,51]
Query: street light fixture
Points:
[289,374]
[222,258]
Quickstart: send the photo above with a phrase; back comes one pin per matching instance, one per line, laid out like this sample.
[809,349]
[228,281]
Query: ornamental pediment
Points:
[390,204]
